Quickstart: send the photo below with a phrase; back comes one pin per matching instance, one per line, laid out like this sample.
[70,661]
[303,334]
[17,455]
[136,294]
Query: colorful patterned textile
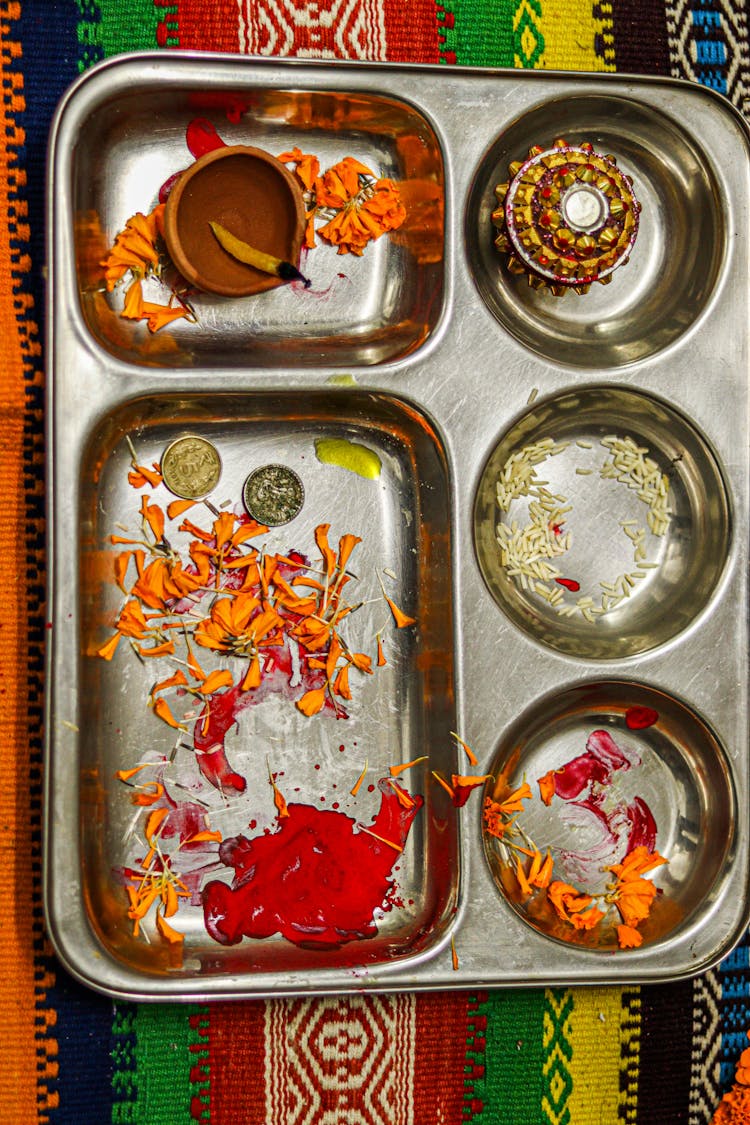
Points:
[643,1055]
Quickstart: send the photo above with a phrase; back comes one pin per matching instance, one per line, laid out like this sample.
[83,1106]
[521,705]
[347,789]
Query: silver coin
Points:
[191,467]
[273,494]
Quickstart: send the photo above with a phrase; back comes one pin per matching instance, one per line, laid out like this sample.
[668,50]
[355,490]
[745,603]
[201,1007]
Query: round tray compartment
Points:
[675,263]
[626,766]
[586,560]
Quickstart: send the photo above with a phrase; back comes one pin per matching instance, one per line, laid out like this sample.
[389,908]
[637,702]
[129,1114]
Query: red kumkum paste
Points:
[317,880]
[639,718]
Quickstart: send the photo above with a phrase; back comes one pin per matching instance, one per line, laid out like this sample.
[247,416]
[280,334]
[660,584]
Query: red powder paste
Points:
[569,584]
[602,758]
[317,880]
[639,718]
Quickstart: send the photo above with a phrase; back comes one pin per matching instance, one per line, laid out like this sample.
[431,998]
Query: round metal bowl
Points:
[677,258]
[607,572]
[673,771]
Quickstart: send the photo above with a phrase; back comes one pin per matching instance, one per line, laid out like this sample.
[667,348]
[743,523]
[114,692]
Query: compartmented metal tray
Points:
[443,364]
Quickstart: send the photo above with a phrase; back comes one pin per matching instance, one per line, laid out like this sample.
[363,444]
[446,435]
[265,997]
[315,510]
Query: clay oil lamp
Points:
[247,194]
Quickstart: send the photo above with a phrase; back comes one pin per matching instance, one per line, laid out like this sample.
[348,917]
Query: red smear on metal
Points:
[317,880]
[639,718]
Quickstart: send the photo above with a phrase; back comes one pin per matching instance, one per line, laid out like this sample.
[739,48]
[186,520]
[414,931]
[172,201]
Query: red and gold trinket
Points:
[566,217]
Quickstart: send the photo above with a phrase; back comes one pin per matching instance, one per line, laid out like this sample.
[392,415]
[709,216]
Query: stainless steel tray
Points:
[437,359]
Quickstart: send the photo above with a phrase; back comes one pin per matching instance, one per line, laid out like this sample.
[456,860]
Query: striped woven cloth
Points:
[648,1056]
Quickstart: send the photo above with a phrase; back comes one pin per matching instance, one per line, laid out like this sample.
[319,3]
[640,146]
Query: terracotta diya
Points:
[250,194]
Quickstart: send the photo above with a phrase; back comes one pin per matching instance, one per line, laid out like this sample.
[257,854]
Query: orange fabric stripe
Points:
[24,1026]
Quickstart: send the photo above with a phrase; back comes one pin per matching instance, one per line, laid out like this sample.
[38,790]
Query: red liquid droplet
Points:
[569,583]
[638,718]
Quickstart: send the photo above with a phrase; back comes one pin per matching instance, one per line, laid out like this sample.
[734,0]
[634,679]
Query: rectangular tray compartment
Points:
[362,313]
[402,518]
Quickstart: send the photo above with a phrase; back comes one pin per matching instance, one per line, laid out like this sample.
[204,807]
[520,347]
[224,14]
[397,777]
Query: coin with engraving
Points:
[191,467]
[273,495]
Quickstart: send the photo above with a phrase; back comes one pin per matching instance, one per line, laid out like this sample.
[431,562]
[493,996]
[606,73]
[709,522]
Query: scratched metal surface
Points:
[445,350]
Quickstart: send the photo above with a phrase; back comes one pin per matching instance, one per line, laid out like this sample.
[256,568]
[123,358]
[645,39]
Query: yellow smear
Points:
[341,381]
[348,455]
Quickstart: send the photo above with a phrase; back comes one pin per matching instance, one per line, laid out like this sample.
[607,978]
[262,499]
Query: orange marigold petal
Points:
[312,701]
[177,507]
[177,680]
[321,538]
[401,619]
[154,821]
[166,931]
[219,678]
[107,650]
[161,708]
[547,787]
[628,937]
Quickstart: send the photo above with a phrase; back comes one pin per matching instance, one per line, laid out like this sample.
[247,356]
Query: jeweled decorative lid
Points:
[567,217]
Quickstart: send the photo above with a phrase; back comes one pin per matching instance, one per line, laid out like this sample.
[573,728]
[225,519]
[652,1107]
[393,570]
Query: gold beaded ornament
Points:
[567,217]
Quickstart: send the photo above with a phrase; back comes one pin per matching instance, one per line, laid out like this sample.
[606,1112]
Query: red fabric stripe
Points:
[207,27]
[439,1066]
[236,1063]
[411,31]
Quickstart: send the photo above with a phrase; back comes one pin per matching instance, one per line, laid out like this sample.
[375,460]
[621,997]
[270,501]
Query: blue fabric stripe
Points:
[734,974]
[49,37]
[710,45]
[84,1053]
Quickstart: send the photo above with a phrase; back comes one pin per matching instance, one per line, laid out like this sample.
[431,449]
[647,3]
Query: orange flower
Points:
[239,626]
[253,675]
[140,475]
[498,815]
[133,248]
[321,538]
[340,184]
[395,771]
[473,760]
[133,307]
[538,875]
[177,680]
[278,798]
[306,166]
[166,931]
[365,207]
[574,906]
[131,622]
[177,507]
[632,894]
[163,581]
